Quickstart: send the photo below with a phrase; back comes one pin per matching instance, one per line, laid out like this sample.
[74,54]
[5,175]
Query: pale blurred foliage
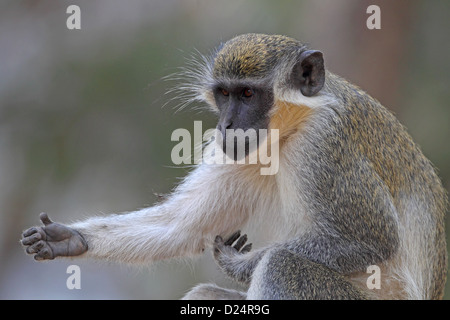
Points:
[83,130]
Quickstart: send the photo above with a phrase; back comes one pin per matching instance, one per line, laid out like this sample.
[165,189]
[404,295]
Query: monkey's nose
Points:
[223,126]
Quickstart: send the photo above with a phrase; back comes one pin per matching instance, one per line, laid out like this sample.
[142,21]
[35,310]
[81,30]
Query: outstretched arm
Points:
[205,205]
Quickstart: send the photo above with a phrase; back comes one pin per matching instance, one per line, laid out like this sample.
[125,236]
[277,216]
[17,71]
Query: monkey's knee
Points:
[284,275]
[212,292]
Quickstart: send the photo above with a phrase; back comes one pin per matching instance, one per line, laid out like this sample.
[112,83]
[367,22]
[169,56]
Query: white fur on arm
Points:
[201,208]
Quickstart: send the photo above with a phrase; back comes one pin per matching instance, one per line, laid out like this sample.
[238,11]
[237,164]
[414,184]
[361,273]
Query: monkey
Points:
[352,190]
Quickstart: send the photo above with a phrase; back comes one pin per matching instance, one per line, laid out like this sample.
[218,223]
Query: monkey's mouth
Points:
[237,144]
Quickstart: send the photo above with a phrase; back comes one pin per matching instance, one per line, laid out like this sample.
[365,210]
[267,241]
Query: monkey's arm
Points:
[183,225]
[355,221]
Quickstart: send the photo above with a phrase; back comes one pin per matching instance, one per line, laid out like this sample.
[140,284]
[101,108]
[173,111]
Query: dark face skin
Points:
[242,106]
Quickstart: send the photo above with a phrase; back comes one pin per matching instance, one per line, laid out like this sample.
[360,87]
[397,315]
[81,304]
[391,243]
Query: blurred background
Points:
[83,129]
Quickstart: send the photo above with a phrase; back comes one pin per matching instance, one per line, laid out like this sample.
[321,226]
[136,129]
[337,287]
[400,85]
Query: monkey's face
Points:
[243,111]
[243,77]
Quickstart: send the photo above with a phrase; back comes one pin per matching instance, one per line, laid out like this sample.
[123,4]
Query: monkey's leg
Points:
[213,292]
[284,275]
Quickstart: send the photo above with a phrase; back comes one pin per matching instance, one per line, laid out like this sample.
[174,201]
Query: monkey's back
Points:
[372,132]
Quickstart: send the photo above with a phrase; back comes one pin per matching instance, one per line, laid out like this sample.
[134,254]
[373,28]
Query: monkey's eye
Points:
[225,92]
[248,93]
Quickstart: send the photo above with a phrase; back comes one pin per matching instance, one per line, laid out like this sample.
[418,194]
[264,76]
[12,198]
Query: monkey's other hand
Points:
[52,240]
[224,250]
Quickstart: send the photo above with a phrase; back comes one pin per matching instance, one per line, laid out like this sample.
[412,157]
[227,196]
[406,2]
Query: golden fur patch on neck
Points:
[288,118]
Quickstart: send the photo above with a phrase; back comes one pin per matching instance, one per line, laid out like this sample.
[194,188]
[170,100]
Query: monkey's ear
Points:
[308,74]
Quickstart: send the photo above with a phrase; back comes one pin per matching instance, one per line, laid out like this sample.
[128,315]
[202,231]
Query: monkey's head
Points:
[250,73]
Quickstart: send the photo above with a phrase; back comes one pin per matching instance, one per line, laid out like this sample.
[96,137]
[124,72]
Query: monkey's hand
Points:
[224,251]
[53,240]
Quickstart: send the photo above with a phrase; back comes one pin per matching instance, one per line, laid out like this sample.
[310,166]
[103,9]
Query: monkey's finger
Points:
[35,247]
[34,237]
[241,241]
[247,248]
[233,238]
[45,219]
[44,254]
[218,240]
[29,232]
